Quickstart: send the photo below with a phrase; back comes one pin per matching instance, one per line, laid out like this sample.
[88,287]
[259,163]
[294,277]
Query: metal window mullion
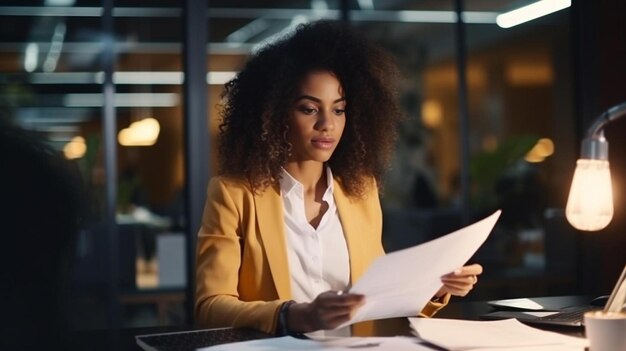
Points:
[110,165]
[464,145]
[196,130]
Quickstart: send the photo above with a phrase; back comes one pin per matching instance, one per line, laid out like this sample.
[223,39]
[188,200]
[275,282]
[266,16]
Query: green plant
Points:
[486,168]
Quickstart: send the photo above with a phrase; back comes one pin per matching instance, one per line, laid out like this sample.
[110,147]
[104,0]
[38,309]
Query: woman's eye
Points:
[307,110]
[339,111]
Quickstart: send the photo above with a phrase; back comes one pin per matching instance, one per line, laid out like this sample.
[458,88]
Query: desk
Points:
[124,339]
[162,298]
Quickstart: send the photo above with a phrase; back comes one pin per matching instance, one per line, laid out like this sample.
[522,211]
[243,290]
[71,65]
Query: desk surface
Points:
[124,339]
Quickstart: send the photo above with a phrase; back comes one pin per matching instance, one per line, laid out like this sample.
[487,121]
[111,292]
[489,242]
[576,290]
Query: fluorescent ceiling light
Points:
[220,78]
[319,5]
[248,31]
[409,16]
[126,78]
[366,4]
[478,17]
[173,77]
[56,45]
[31,57]
[62,78]
[122,100]
[531,12]
[59,2]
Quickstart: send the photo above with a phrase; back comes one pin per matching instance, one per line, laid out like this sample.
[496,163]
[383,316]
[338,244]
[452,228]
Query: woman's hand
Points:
[329,310]
[461,281]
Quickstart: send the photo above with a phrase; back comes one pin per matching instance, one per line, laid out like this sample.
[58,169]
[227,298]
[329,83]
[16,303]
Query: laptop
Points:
[570,316]
[558,311]
[195,339]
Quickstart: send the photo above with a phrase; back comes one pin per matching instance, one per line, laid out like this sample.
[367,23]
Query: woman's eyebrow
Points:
[313,98]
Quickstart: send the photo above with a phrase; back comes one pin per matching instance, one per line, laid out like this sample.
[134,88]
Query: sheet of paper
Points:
[522,303]
[337,344]
[400,284]
[508,334]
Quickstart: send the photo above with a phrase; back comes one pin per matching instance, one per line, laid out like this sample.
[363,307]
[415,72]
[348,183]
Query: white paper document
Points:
[507,334]
[338,344]
[400,283]
[521,303]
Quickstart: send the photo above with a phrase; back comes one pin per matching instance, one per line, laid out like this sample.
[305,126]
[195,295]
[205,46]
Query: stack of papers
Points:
[508,334]
[449,334]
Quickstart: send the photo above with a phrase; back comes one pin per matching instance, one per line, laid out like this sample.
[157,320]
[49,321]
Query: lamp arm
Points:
[597,128]
[595,146]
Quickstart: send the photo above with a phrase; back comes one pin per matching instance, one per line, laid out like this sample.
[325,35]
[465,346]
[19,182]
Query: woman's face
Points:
[317,118]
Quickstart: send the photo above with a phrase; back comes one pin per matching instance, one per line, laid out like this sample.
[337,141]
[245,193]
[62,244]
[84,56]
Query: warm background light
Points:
[76,148]
[542,149]
[432,114]
[140,133]
[537,73]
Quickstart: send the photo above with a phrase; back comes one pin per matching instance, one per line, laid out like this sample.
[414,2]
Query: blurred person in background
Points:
[40,208]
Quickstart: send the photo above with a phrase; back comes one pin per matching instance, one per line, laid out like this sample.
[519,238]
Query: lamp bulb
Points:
[590,202]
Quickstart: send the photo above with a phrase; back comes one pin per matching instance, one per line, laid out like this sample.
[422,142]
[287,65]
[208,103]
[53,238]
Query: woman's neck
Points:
[309,174]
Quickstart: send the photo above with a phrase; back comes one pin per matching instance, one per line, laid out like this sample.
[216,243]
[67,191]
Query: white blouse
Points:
[318,257]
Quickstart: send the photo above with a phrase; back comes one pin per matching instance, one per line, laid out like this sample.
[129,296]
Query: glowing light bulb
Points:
[590,203]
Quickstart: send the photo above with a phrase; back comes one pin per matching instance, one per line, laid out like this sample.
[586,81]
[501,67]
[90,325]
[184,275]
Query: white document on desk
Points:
[337,344]
[400,283]
[507,334]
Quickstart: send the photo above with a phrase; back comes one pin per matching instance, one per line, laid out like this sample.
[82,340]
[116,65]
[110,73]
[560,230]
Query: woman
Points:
[294,216]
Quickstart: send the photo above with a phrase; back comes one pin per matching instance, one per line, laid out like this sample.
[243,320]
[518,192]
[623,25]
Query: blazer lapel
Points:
[351,230]
[269,210]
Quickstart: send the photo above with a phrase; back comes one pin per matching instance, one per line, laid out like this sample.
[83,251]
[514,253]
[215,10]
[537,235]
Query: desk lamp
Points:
[590,202]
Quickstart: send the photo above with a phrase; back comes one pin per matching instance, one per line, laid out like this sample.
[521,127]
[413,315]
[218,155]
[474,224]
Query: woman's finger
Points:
[470,279]
[473,269]
[332,308]
[329,318]
[457,285]
[455,289]
[344,299]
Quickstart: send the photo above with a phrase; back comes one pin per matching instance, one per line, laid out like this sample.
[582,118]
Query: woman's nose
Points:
[325,120]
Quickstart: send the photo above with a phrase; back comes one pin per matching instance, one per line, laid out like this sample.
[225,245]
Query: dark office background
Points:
[494,120]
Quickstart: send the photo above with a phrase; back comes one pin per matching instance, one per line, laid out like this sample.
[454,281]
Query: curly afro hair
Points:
[253,140]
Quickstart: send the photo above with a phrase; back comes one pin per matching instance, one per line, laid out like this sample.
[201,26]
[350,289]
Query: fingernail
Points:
[458,271]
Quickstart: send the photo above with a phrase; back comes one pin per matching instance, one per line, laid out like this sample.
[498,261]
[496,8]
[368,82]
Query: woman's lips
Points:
[323,143]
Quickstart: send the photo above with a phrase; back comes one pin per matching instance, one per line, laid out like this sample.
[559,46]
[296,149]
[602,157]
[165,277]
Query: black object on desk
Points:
[557,311]
[195,339]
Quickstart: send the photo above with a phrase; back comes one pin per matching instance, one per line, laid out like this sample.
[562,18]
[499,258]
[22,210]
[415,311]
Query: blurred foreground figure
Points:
[39,219]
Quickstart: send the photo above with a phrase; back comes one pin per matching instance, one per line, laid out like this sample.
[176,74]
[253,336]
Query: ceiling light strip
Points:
[123,100]
[251,13]
[125,78]
[531,12]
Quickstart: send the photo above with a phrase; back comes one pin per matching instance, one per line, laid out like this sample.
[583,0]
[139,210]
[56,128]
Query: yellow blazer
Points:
[242,273]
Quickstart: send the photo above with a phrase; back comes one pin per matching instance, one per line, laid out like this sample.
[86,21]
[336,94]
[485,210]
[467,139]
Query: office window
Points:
[52,87]
[151,180]
[522,149]
[418,203]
